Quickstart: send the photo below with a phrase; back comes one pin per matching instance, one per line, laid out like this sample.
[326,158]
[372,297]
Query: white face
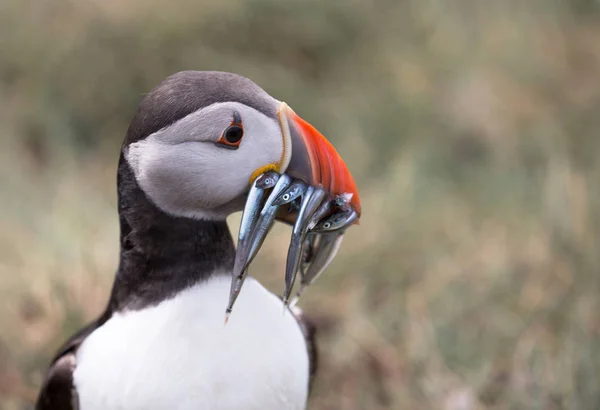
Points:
[186,172]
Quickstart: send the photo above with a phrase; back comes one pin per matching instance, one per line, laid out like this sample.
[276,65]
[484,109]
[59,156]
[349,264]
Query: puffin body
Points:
[180,352]
[193,148]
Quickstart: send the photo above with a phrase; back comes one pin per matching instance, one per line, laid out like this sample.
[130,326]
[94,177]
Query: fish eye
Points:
[327,225]
[286,197]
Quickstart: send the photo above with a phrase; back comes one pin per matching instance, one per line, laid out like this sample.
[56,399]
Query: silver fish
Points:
[323,210]
[251,211]
[310,244]
[256,238]
[250,216]
[295,190]
[267,180]
[336,222]
[267,217]
[323,254]
[311,200]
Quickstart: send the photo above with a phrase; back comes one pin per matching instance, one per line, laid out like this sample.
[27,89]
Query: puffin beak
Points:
[313,191]
[314,160]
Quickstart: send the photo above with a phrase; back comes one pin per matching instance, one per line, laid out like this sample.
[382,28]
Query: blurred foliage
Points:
[471,126]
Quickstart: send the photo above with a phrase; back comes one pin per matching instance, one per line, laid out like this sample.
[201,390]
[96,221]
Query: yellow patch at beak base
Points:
[259,171]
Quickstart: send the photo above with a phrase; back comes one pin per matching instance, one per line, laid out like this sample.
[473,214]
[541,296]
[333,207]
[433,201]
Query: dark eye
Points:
[233,134]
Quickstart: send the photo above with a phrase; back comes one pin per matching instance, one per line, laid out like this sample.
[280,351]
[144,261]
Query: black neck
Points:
[161,254]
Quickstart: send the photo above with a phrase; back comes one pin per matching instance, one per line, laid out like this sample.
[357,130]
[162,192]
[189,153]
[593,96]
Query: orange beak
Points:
[314,160]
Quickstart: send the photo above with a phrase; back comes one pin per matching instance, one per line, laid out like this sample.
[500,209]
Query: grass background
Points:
[472,127]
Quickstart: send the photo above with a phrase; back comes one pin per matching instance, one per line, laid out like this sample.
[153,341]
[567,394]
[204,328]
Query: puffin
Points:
[193,150]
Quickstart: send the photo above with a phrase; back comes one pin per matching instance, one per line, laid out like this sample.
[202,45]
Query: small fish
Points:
[267,217]
[254,204]
[267,180]
[250,215]
[295,190]
[310,244]
[323,210]
[324,252]
[336,222]
[311,200]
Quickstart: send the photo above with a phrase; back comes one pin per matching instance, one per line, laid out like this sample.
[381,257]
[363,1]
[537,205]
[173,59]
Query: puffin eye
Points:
[232,136]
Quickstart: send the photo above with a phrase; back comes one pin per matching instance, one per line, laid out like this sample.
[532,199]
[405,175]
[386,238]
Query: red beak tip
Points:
[328,168]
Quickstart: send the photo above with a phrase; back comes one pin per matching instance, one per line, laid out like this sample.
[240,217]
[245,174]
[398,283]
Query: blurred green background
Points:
[472,127]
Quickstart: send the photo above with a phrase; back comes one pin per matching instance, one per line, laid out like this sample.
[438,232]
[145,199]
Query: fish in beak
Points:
[314,192]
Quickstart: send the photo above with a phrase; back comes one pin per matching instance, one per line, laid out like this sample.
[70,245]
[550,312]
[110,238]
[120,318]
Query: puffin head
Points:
[204,145]
[200,139]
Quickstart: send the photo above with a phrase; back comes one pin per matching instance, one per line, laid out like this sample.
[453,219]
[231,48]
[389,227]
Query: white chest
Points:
[179,355]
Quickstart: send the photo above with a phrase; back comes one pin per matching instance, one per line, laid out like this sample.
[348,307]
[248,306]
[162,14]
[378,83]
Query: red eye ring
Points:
[232,136]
